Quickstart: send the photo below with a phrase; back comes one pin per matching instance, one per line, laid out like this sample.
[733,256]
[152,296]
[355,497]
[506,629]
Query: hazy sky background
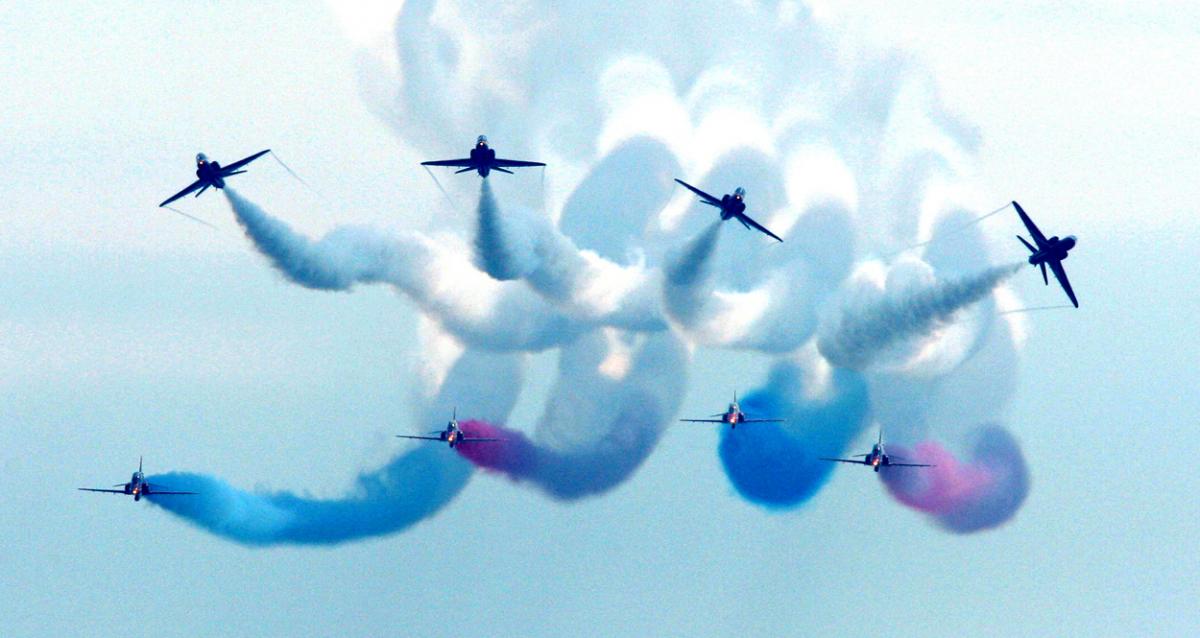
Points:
[126,330]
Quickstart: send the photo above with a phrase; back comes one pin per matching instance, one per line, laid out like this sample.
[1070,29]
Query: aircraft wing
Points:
[745,219]
[825,458]
[1061,275]
[96,489]
[507,163]
[703,195]
[242,162]
[702,420]
[1030,226]
[191,187]
[465,162]
[423,438]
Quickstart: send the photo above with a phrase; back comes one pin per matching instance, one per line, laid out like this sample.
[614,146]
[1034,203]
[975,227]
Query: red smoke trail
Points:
[514,455]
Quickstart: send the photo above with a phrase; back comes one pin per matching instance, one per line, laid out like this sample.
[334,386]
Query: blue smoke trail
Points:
[408,489]
[777,465]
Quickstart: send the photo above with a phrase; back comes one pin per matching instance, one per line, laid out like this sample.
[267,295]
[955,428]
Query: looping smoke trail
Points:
[472,306]
[514,244]
[861,330]
[599,425]
[778,465]
[963,497]
[409,488]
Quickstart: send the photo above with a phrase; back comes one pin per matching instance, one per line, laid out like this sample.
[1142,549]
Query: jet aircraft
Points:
[731,206]
[877,457]
[137,486]
[211,173]
[1050,252]
[452,434]
[733,416]
[483,160]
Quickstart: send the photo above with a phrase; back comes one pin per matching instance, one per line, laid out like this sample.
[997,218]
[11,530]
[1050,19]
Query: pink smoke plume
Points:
[963,497]
[515,455]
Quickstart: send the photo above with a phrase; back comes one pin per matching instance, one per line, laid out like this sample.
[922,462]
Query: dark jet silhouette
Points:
[452,434]
[731,206]
[137,486]
[212,174]
[733,416]
[877,458]
[483,159]
[1050,252]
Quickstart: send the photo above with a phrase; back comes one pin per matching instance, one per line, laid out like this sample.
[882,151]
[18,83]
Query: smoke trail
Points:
[513,244]
[409,488]
[778,465]
[778,316]
[472,306]
[501,250]
[963,497]
[599,424]
[864,329]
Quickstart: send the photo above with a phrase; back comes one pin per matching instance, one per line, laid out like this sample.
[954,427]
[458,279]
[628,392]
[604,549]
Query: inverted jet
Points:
[136,487]
[1048,252]
[212,174]
[452,435]
[732,415]
[483,160]
[731,207]
[877,458]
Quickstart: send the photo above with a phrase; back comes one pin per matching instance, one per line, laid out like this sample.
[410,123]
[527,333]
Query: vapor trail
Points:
[472,306]
[860,331]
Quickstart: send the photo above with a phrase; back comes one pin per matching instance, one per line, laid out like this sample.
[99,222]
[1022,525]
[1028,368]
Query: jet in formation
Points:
[483,160]
[1048,252]
[731,206]
[877,458]
[452,435]
[733,416]
[212,174]
[137,486]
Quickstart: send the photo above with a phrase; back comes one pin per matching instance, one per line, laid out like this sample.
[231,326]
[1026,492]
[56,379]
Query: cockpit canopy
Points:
[739,193]
[201,159]
[481,141]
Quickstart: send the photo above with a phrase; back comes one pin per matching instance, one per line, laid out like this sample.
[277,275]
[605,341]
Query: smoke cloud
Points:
[964,497]
[870,325]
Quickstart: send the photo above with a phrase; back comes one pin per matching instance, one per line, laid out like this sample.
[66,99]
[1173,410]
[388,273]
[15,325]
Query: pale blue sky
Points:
[126,330]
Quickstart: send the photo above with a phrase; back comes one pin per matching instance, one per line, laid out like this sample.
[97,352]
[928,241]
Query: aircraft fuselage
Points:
[733,416]
[483,156]
[210,173]
[731,206]
[877,458]
[1055,249]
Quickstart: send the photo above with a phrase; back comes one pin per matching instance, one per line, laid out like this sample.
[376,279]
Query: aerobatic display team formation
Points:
[863,342]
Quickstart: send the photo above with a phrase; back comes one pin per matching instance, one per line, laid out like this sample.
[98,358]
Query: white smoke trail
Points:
[433,273]
[872,322]
[513,244]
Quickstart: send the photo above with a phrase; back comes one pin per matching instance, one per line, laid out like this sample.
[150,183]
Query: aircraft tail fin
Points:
[469,168]
[139,463]
[198,193]
[1045,278]
[1027,244]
